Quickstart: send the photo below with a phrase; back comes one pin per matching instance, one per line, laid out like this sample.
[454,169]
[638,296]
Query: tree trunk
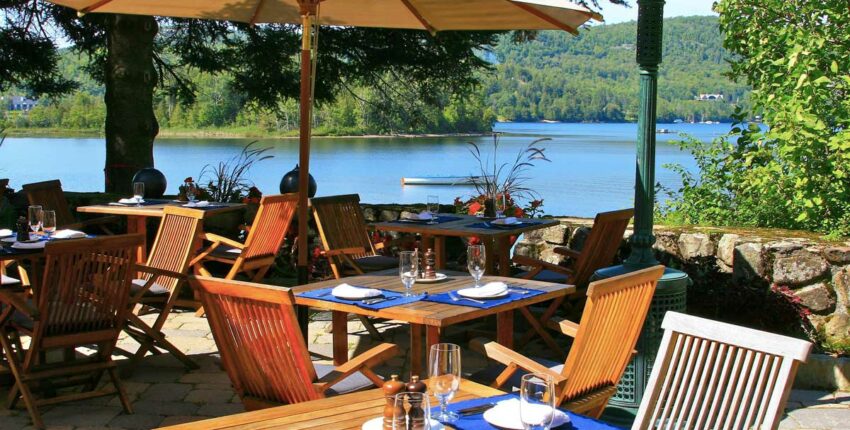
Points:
[130,79]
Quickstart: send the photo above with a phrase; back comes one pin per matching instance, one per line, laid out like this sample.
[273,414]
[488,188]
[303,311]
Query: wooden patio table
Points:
[496,240]
[137,216]
[348,411]
[429,316]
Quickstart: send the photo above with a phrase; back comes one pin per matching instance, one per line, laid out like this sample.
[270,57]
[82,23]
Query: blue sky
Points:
[614,13]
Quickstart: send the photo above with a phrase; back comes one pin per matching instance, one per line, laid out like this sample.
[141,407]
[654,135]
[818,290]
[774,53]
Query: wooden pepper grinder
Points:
[392,387]
[430,262]
[416,419]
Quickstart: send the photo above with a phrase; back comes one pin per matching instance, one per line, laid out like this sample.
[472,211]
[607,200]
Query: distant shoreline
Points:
[203,134]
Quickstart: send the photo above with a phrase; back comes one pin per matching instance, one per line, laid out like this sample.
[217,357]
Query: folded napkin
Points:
[130,201]
[29,245]
[351,292]
[68,234]
[200,204]
[421,216]
[505,221]
[6,232]
[489,289]
[508,415]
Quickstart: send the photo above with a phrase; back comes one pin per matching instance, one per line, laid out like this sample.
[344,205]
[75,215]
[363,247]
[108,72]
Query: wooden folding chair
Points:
[710,374]
[603,343]
[161,280]
[345,238]
[49,196]
[265,237]
[82,301]
[598,251]
[262,349]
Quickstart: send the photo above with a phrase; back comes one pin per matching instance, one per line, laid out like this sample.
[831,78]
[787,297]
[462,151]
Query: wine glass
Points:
[190,192]
[501,205]
[408,267]
[444,371]
[475,260]
[139,192]
[49,222]
[411,411]
[35,215]
[433,208]
[537,401]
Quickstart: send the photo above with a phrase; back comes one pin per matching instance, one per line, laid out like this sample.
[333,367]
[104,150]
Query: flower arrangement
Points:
[189,186]
[226,181]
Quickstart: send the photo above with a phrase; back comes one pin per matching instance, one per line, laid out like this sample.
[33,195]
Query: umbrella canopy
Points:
[430,15]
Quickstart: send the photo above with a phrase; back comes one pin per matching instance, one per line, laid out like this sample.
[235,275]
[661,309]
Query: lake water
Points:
[592,168]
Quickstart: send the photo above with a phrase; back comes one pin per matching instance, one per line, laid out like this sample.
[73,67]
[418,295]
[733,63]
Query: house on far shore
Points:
[709,97]
[18,103]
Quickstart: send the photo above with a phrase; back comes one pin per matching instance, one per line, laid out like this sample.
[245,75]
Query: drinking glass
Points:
[49,222]
[35,215]
[408,267]
[190,193]
[433,208]
[139,192]
[501,205]
[411,411]
[537,401]
[444,371]
[475,259]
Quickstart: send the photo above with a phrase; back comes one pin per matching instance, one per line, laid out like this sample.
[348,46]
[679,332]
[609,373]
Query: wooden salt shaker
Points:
[430,263]
[392,387]
[416,415]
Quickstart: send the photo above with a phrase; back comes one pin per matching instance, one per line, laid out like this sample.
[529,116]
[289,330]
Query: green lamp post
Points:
[671,291]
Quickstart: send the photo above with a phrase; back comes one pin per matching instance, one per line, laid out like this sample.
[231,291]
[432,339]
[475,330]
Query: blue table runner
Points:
[476,422]
[488,303]
[440,219]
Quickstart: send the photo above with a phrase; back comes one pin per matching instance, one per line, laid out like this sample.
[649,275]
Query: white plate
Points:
[506,416]
[477,293]
[13,239]
[378,424]
[440,277]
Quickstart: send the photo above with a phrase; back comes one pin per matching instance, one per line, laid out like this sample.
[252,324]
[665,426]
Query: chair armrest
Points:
[355,250]
[563,250]
[512,359]
[218,240]
[160,272]
[563,325]
[395,242]
[362,362]
[533,262]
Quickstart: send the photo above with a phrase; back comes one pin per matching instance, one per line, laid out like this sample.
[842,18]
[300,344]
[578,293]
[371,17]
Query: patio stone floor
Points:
[164,393]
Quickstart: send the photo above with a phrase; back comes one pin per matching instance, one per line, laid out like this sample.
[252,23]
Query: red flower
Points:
[474,208]
[474,240]
[188,180]
[519,213]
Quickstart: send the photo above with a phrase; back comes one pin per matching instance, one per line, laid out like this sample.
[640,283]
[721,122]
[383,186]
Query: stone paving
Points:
[164,393]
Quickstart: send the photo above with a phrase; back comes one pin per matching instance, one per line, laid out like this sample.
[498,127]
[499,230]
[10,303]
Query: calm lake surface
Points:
[592,168]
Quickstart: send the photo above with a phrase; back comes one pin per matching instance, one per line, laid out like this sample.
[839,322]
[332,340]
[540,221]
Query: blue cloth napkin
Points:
[476,422]
[439,219]
[396,299]
[488,303]
[491,226]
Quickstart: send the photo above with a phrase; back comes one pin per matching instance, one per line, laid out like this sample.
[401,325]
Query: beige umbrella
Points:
[429,15]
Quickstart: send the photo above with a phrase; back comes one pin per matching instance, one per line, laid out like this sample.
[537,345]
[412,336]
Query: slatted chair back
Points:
[262,349]
[610,325]
[270,225]
[710,374]
[341,224]
[174,244]
[49,196]
[85,289]
[601,245]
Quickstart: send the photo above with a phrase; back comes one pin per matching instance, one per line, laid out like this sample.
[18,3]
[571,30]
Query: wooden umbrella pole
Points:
[308,12]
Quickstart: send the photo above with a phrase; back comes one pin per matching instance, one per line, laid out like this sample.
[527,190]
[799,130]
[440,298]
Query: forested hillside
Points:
[592,77]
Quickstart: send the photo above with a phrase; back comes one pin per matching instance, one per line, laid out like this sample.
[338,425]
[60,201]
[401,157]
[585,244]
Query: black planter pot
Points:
[154,180]
[289,183]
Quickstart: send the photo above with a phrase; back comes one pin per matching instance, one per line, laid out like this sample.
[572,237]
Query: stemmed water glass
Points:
[537,401]
[35,215]
[408,267]
[444,371]
[139,192]
[49,222]
[433,207]
[411,411]
[475,260]
[190,192]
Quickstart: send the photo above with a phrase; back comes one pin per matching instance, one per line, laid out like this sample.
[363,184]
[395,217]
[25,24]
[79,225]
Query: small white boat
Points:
[440,180]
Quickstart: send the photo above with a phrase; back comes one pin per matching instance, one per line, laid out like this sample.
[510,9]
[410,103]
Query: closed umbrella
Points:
[429,15]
